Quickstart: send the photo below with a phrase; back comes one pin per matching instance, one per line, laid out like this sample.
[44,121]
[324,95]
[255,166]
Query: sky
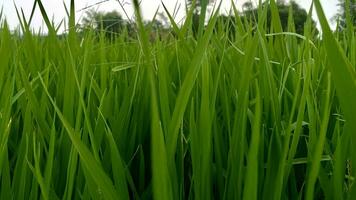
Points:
[56,10]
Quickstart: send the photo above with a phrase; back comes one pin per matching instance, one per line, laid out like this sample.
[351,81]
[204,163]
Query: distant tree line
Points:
[300,15]
[249,15]
[112,23]
[346,7]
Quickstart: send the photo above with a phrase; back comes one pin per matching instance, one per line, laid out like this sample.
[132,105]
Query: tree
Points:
[200,10]
[247,6]
[200,3]
[299,14]
[110,22]
[343,9]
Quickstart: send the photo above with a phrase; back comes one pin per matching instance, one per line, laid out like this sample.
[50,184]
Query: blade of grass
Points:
[93,167]
[344,78]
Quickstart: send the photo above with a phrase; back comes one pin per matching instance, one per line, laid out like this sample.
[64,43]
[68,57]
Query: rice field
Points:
[263,114]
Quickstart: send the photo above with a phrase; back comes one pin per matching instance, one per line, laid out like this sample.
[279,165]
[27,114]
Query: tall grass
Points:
[262,114]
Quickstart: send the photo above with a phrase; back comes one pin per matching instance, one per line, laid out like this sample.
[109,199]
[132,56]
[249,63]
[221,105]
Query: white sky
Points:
[55,8]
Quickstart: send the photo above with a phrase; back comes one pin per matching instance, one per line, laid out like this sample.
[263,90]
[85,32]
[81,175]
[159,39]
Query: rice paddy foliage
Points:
[262,114]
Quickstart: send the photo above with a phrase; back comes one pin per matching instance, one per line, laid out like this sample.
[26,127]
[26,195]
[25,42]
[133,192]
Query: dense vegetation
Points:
[346,12]
[264,114]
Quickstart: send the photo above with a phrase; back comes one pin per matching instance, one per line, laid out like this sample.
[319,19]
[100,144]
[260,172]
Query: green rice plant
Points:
[257,113]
